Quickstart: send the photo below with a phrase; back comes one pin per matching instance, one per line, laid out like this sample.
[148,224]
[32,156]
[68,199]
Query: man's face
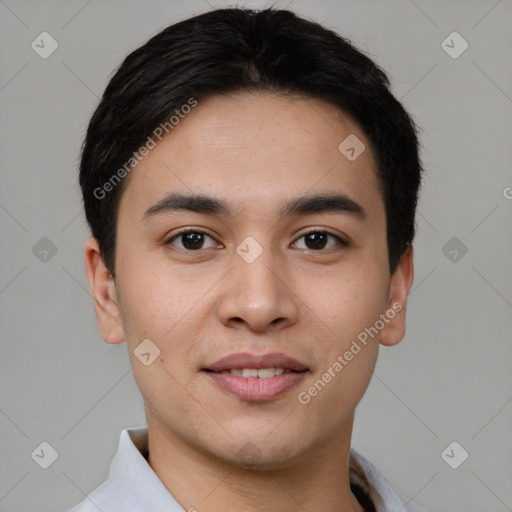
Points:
[255,282]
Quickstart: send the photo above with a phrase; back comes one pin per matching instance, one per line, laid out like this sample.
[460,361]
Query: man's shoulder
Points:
[132,485]
[90,502]
[384,497]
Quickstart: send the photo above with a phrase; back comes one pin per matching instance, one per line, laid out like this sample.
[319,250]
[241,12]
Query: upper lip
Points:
[245,360]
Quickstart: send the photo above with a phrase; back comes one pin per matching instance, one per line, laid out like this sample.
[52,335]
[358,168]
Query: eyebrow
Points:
[200,203]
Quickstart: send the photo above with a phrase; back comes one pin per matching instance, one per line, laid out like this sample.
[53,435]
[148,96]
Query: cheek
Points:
[335,394]
[348,302]
[153,295]
[336,388]
[160,304]
[156,307]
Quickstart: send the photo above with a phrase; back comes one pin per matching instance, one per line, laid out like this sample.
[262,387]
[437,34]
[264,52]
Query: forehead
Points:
[255,149]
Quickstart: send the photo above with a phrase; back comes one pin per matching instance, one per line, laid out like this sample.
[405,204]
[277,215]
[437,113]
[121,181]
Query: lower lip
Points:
[256,389]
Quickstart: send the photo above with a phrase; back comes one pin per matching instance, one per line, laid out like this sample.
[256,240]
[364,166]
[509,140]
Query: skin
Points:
[254,151]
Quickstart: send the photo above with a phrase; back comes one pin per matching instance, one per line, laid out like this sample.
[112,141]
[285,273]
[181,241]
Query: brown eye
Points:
[318,240]
[191,240]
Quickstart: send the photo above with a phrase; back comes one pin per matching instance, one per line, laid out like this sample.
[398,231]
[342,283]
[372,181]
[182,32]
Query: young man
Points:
[251,186]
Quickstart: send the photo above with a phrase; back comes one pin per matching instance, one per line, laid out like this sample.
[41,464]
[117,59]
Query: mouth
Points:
[255,373]
[256,377]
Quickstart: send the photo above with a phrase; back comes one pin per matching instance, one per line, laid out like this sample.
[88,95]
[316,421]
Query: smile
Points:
[262,373]
[255,385]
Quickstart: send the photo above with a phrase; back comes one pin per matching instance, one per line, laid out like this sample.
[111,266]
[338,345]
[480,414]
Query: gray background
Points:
[449,379]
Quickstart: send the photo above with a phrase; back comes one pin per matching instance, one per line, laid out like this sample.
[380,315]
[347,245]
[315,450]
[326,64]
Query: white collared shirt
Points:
[133,486]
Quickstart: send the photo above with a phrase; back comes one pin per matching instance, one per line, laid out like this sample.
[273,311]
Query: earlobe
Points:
[104,293]
[401,283]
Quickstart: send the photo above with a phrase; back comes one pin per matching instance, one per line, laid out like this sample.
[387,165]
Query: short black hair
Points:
[241,49]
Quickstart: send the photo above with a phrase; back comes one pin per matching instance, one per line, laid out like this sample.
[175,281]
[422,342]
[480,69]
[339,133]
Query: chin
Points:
[260,454]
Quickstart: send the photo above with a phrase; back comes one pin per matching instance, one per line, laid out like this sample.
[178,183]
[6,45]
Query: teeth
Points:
[263,373]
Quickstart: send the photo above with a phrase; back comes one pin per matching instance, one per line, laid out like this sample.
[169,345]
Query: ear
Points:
[401,282]
[104,293]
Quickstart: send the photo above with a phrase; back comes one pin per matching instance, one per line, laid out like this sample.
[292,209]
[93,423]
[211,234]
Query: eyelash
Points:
[340,240]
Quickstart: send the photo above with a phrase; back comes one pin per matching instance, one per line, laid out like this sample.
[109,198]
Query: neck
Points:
[200,481]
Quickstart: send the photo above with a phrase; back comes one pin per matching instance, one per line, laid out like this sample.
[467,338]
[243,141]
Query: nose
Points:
[259,294]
